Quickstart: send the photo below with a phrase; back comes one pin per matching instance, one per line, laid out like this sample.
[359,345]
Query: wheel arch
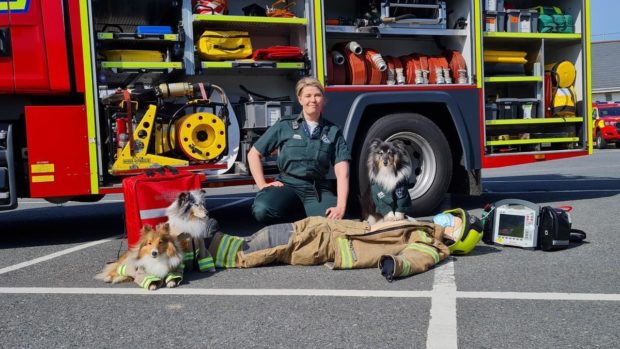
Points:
[440,107]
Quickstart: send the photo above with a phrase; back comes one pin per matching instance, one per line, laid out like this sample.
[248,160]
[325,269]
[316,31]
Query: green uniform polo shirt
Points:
[396,201]
[300,155]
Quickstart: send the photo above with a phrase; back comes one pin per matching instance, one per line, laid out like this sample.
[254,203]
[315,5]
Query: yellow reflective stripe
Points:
[221,250]
[148,280]
[426,249]
[232,252]
[188,256]
[206,263]
[406,267]
[122,270]
[423,236]
[173,276]
[346,260]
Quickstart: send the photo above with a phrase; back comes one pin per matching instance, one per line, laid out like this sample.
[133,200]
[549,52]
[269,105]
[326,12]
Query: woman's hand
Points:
[272,184]
[335,212]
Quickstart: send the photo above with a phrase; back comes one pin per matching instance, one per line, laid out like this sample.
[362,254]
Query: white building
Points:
[605,73]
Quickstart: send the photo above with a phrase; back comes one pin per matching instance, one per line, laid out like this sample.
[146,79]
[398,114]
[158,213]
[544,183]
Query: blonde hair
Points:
[308,81]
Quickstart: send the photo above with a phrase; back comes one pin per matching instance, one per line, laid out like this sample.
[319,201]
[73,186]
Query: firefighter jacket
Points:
[145,280]
[396,201]
[341,244]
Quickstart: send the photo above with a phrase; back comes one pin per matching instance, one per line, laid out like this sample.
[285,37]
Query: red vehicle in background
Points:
[606,119]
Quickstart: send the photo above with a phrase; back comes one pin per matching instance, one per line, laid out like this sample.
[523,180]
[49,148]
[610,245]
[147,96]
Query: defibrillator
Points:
[524,224]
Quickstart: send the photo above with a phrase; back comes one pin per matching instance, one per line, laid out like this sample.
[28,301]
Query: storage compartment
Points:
[495,21]
[262,115]
[508,108]
[519,21]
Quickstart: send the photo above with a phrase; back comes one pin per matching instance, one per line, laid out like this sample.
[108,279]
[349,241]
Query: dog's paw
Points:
[399,216]
[153,286]
[172,284]
[389,217]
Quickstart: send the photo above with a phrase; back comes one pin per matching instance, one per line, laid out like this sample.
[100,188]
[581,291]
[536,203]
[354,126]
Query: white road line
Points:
[52,256]
[552,191]
[259,292]
[490,180]
[230,204]
[552,296]
[442,328]
[218,292]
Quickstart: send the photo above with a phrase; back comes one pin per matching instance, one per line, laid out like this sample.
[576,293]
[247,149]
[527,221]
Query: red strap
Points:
[278,53]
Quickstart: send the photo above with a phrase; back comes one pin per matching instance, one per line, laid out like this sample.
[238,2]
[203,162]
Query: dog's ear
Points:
[400,145]
[375,143]
[163,228]
[183,197]
[147,228]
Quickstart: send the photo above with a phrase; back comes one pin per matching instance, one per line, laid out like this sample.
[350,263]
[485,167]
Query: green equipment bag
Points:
[551,19]
[546,24]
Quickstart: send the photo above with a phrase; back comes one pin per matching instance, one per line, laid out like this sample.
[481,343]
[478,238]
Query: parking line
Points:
[260,292]
[442,328]
[52,256]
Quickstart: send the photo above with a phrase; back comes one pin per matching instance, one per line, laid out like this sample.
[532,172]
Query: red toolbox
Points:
[147,195]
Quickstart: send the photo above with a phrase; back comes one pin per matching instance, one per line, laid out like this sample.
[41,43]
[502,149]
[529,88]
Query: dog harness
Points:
[396,201]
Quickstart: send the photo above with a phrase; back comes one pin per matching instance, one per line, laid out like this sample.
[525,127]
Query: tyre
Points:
[430,156]
[601,143]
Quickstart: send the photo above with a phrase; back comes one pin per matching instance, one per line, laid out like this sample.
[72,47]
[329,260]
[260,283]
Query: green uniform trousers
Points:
[296,200]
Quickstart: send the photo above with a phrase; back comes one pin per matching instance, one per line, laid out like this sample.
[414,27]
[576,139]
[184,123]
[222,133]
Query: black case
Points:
[554,229]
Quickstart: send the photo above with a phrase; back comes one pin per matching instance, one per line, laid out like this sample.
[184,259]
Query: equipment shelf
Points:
[252,65]
[534,121]
[236,21]
[105,36]
[516,35]
[387,30]
[533,141]
[500,79]
[141,65]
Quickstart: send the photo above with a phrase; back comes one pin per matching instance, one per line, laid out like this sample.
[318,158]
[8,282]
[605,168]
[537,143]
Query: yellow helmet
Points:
[465,229]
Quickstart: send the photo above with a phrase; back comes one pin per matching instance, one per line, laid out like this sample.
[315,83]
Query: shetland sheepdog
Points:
[157,253]
[389,170]
[189,214]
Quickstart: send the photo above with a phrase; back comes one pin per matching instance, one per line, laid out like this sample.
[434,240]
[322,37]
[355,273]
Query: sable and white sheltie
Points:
[157,253]
[389,165]
[189,214]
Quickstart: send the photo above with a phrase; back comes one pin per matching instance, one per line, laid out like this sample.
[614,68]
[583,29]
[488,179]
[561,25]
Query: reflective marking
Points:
[52,256]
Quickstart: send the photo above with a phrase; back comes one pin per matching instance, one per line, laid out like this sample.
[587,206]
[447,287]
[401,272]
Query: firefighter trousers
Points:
[341,244]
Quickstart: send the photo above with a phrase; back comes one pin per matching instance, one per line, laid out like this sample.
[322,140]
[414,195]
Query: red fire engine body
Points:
[78,114]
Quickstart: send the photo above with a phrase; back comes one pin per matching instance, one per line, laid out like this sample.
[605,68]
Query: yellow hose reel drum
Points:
[201,136]
[563,73]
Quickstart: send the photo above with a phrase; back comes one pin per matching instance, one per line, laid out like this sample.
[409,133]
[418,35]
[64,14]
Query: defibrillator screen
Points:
[511,225]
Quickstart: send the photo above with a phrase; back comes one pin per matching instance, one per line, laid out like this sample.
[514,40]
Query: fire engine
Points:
[606,123]
[93,91]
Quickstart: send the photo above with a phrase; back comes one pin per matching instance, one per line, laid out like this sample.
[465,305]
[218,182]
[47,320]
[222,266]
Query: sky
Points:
[605,20]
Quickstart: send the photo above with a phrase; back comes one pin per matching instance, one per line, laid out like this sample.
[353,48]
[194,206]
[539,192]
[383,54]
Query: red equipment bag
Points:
[278,53]
[149,194]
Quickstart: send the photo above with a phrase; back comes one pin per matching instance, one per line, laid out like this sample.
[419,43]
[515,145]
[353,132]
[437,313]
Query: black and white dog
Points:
[389,169]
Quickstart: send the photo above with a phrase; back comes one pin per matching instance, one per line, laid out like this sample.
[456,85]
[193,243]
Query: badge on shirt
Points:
[296,136]
[325,140]
[400,192]
[380,195]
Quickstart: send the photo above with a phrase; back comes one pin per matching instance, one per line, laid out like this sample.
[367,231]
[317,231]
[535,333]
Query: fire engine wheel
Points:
[601,143]
[430,156]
